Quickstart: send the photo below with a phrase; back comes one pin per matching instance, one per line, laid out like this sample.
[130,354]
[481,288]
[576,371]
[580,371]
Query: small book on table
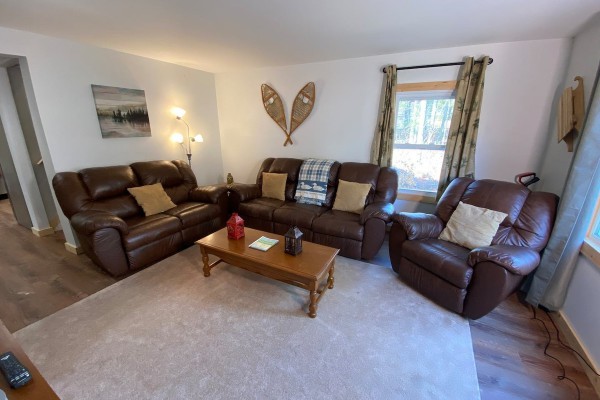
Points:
[263,243]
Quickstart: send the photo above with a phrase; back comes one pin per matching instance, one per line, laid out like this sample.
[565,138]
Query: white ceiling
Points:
[224,35]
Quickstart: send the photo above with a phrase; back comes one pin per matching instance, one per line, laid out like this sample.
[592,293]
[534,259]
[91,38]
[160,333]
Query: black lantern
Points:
[293,241]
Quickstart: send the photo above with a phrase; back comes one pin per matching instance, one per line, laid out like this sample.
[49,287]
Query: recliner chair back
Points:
[530,214]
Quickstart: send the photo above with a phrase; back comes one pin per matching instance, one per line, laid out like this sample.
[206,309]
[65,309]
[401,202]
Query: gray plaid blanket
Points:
[312,181]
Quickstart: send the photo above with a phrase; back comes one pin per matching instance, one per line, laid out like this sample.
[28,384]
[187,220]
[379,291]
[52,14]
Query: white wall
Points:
[520,85]
[61,73]
[584,58]
[583,296]
[581,307]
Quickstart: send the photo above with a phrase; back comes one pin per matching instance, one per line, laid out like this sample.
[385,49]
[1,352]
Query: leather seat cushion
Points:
[261,208]
[339,223]
[301,215]
[192,214]
[443,259]
[145,230]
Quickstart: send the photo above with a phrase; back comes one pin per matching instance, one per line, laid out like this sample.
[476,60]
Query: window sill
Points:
[420,197]
[591,251]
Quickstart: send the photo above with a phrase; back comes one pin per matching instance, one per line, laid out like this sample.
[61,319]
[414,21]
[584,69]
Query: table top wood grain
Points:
[311,263]
[37,388]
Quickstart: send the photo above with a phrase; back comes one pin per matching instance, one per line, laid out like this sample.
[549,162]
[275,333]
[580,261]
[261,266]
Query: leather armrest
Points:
[379,210]
[419,225]
[245,191]
[88,222]
[515,259]
[208,194]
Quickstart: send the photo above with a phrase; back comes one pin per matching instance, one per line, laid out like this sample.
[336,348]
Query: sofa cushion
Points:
[192,214]
[144,230]
[152,198]
[301,215]
[351,196]
[361,173]
[106,182]
[443,259]
[339,223]
[261,208]
[176,177]
[471,226]
[164,172]
[273,185]
[289,166]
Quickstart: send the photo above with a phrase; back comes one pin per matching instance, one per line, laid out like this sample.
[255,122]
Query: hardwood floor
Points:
[509,355]
[38,278]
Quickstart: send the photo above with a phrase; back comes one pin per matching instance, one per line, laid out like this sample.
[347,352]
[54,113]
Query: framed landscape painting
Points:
[122,113]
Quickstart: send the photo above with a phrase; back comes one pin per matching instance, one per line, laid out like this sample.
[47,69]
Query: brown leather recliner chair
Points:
[473,282]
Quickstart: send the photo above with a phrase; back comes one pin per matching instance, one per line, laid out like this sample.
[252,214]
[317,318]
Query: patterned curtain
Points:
[459,158]
[383,141]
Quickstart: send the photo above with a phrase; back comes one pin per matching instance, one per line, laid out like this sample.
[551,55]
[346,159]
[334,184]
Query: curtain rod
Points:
[491,60]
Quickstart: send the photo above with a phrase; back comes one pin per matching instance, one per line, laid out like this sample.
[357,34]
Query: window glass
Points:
[594,232]
[422,125]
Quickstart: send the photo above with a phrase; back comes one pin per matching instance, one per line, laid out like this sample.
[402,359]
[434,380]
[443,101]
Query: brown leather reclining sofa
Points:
[113,229]
[356,235]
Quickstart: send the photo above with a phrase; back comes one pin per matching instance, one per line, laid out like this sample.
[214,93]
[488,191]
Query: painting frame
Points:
[122,112]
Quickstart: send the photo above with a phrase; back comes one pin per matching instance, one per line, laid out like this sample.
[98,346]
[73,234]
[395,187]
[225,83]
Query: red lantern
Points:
[235,227]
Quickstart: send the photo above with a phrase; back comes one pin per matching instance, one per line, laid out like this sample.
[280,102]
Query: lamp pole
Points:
[188,149]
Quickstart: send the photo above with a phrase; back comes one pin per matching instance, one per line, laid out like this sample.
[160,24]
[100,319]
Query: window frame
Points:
[422,196]
[591,243]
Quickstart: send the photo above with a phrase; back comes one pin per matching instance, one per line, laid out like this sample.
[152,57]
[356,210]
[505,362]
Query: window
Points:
[423,115]
[591,245]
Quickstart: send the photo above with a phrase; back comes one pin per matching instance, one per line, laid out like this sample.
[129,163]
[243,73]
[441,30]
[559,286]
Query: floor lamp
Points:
[185,142]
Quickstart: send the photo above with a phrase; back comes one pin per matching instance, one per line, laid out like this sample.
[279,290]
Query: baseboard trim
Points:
[572,339]
[77,250]
[42,232]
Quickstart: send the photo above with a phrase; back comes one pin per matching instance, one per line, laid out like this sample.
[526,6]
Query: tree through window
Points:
[421,131]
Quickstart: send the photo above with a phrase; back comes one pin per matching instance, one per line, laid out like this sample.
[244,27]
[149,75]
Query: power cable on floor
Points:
[569,347]
[564,372]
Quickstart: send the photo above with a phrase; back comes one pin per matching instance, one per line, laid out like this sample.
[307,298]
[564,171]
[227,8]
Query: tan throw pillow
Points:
[351,196]
[472,226]
[152,198]
[273,185]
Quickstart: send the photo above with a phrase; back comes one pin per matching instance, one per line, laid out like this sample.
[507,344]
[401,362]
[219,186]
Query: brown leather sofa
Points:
[357,236]
[112,228]
[473,282]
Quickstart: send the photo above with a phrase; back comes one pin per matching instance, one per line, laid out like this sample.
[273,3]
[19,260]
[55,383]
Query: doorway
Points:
[21,164]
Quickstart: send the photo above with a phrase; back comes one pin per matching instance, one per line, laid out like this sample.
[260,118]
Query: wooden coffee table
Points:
[306,270]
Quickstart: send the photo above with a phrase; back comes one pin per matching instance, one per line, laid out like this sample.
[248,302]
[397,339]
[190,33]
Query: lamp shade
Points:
[178,112]
[198,138]
[177,137]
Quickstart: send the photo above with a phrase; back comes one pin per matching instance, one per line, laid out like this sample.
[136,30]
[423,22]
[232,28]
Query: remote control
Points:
[14,372]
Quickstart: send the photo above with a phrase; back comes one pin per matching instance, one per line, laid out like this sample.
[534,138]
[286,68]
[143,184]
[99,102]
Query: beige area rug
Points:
[170,333]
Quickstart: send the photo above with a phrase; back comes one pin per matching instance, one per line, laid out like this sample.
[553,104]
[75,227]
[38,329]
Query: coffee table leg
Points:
[312,307]
[330,279]
[205,261]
